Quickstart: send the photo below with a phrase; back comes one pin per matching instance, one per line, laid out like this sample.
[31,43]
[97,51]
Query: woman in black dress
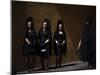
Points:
[30,42]
[59,43]
[44,38]
[87,44]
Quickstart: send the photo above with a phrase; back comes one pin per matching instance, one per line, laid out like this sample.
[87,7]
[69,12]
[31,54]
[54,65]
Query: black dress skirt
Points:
[59,49]
[43,36]
[30,49]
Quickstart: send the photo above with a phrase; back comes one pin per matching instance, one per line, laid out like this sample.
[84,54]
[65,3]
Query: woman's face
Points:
[60,26]
[29,24]
[44,25]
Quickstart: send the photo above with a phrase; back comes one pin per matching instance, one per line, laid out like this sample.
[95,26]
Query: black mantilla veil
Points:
[57,28]
[32,28]
[48,25]
[30,19]
[60,22]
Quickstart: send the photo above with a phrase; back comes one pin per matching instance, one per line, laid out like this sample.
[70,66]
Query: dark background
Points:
[73,17]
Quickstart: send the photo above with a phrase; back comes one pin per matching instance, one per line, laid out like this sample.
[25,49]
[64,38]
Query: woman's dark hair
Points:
[60,22]
[31,20]
[48,27]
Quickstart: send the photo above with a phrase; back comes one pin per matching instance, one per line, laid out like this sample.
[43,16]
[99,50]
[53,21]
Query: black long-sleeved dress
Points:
[42,38]
[59,44]
[30,49]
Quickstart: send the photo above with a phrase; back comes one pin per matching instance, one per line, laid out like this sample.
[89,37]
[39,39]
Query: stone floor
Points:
[77,65]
